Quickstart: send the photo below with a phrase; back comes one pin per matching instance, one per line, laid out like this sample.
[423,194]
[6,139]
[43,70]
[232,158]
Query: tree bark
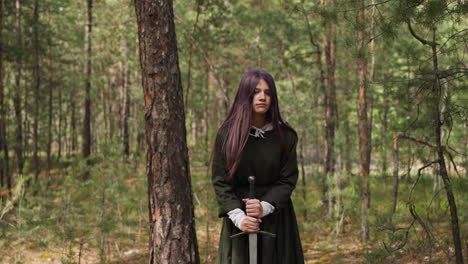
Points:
[364,152]
[171,212]
[86,147]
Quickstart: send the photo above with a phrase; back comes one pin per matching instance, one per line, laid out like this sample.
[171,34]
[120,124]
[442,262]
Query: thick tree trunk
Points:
[37,85]
[86,147]
[363,123]
[171,213]
[17,94]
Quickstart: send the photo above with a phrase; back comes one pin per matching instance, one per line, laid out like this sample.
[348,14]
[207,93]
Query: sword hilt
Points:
[251,180]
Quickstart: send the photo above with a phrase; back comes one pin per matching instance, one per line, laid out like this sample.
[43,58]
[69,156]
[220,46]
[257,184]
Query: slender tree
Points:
[322,84]
[330,106]
[5,176]
[37,84]
[171,213]
[364,152]
[17,95]
[51,105]
[125,100]
[86,147]
[436,95]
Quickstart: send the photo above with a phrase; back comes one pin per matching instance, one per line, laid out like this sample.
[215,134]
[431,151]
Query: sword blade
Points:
[253,248]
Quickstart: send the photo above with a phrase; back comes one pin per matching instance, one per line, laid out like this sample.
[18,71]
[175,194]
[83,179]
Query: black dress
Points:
[275,169]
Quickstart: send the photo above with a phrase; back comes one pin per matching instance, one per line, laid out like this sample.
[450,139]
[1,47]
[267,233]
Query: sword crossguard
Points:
[259,232]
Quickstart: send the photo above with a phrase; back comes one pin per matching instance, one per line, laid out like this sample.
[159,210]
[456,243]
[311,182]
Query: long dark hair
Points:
[234,131]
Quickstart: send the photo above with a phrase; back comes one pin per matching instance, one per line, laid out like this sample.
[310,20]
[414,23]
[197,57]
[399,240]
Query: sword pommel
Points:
[251,180]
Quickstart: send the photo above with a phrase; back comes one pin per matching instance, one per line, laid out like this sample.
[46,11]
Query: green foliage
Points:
[92,212]
[217,42]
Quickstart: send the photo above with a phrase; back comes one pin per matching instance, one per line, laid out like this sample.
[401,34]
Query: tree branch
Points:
[423,41]
[417,140]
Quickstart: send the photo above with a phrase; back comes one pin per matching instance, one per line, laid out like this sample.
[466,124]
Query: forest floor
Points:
[319,248]
[317,251]
[107,215]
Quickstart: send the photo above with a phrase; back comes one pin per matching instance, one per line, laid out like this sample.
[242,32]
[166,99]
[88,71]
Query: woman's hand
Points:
[253,207]
[250,224]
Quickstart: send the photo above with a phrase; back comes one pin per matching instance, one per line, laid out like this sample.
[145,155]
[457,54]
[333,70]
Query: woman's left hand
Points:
[253,207]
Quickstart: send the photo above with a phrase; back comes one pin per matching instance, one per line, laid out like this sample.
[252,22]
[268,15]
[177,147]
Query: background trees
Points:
[311,48]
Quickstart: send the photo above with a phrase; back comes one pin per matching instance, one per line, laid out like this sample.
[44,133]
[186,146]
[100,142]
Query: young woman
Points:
[255,141]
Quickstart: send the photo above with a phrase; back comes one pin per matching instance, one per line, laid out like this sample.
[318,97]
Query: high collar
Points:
[259,132]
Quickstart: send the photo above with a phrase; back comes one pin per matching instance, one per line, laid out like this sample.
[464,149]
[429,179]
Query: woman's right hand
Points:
[250,224]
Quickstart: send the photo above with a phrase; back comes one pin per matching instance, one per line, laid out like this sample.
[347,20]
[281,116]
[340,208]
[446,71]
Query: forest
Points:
[109,111]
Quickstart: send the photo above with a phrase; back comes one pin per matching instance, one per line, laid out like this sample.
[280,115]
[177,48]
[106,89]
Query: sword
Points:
[252,236]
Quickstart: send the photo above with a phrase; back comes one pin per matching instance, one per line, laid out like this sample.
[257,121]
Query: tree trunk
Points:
[171,213]
[192,40]
[5,176]
[60,124]
[330,107]
[318,60]
[383,132]
[395,172]
[113,103]
[17,96]
[125,106]
[51,106]
[86,147]
[363,123]
[37,86]
[303,174]
[73,132]
[436,91]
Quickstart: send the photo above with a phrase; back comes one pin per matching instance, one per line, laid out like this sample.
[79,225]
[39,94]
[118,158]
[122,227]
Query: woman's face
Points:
[262,99]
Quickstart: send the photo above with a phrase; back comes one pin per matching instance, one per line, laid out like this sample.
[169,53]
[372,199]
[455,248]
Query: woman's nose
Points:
[262,96]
